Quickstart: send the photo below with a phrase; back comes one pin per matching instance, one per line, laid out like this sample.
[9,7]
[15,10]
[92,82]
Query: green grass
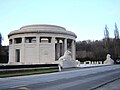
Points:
[27,73]
[81,62]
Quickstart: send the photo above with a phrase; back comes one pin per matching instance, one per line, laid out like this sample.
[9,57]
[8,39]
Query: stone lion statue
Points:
[108,60]
[66,56]
[66,60]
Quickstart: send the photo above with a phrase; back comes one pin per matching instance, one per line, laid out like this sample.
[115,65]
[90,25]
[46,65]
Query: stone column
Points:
[84,62]
[53,46]
[11,53]
[92,62]
[58,49]
[100,62]
[62,48]
[22,51]
[37,48]
[73,50]
[65,44]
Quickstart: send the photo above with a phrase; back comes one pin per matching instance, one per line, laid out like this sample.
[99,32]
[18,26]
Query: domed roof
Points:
[42,28]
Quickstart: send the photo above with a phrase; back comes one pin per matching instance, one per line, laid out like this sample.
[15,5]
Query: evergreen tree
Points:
[116,42]
[0,42]
[106,32]
[116,32]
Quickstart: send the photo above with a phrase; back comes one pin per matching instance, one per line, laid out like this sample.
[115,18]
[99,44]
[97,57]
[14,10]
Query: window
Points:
[18,40]
[30,40]
[17,55]
[45,39]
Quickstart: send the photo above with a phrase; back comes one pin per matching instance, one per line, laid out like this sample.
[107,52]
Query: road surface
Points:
[79,79]
[113,85]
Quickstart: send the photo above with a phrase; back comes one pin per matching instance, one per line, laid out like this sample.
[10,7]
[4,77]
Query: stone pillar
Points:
[58,49]
[53,46]
[13,50]
[62,48]
[84,62]
[100,62]
[92,62]
[37,48]
[22,51]
[73,50]
[11,53]
[65,44]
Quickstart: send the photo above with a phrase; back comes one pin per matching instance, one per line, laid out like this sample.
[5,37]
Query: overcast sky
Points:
[86,18]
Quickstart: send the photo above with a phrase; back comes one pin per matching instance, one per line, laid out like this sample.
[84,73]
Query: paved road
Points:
[81,79]
[114,85]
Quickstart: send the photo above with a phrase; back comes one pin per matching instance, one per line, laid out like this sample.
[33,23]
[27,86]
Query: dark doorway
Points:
[17,55]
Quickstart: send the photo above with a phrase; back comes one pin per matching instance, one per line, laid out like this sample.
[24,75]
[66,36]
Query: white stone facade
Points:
[40,44]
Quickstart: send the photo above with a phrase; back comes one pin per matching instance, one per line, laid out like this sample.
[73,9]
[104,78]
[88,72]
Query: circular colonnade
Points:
[40,44]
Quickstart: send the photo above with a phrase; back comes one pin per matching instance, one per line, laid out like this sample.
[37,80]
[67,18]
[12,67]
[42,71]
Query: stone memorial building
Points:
[40,44]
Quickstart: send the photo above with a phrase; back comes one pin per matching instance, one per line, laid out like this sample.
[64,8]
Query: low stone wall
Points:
[24,68]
